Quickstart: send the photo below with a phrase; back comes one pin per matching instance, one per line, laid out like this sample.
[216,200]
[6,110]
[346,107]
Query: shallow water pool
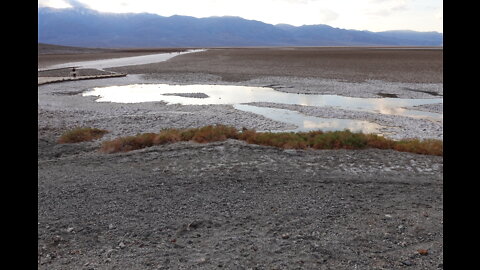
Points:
[240,95]
[125,61]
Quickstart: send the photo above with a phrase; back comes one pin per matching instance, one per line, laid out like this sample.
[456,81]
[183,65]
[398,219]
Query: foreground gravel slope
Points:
[236,206]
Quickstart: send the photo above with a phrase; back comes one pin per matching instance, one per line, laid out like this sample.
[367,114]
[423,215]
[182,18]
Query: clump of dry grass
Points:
[424,147]
[129,143]
[171,136]
[201,135]
[287,140]
[339,140]
[81,134]
[214,134]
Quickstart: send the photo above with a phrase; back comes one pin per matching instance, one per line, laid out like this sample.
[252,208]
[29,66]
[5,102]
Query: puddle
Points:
[237,95]
[309,123]
[124,61]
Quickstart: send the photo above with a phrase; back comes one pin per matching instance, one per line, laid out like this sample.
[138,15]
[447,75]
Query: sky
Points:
[370,15]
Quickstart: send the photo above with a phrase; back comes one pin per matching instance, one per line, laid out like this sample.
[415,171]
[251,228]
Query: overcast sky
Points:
[372,15]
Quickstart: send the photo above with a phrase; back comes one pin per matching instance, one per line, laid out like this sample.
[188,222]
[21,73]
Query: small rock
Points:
[70,229]
[110,226]
[407,263]
[109,253]
[388,216]
[201,260]
[121,245]
[422,252]
[178,246]
[285,236]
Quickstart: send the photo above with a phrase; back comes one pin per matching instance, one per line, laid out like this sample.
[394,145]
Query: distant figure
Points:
[73,73]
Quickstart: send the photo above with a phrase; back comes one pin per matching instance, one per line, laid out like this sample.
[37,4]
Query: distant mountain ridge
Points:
[88,28]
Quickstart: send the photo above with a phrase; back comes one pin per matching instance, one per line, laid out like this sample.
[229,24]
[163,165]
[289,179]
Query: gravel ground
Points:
[230,205]
[342,64]
[236,206]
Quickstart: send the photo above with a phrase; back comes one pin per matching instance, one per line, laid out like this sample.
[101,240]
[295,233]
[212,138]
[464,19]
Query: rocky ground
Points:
[230,205]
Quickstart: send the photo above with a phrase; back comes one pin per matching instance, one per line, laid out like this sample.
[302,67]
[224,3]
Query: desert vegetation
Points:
[286,140]
[81,134]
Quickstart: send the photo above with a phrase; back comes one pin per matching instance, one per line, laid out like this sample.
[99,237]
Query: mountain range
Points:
[84,27]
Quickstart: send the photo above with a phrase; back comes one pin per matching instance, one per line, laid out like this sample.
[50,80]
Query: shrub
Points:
[283,140]
[187,134]
[287,140]
[81,134]
[167,136]
[339,140]
[247,135]
[379,142]
[125,144]
[214,133]
[424,147]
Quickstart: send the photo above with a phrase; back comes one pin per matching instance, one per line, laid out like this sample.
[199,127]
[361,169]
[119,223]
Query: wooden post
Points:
[73,73]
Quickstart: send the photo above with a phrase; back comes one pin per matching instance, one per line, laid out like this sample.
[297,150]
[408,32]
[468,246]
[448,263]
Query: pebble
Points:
[109,252]
[422,252]
[201,260]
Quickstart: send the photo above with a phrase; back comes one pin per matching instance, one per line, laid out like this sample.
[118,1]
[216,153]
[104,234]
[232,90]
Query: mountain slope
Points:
[88,28]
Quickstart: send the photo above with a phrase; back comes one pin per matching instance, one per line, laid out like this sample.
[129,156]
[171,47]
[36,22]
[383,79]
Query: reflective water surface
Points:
[308,123]
[125,61]
[237,95]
